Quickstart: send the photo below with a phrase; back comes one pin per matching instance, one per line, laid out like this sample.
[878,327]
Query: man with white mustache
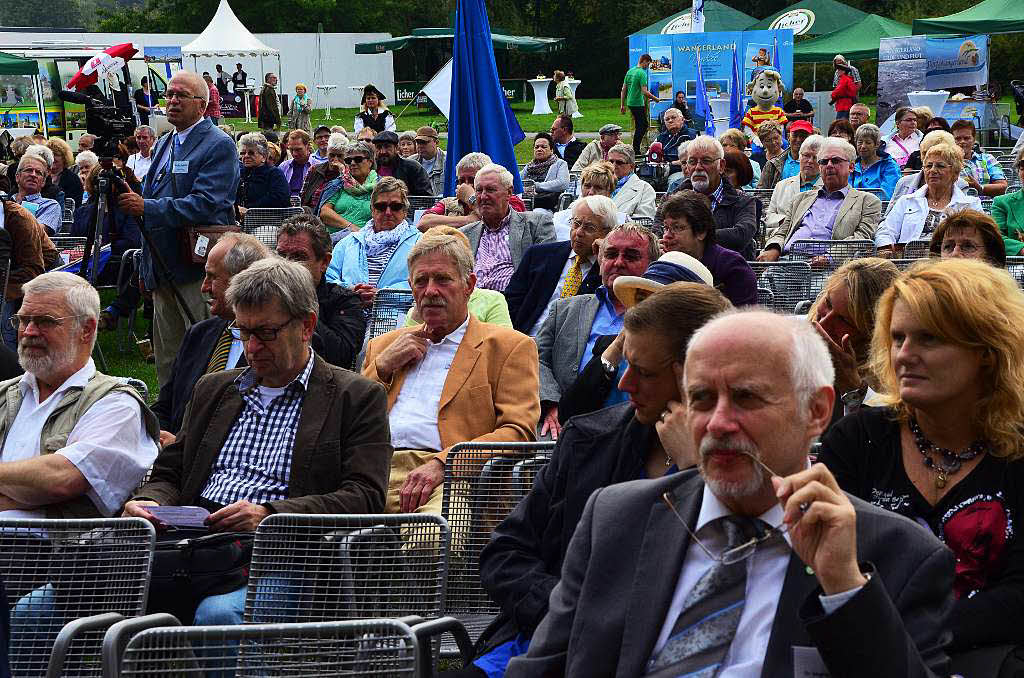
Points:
[100,438]
[735,211]
[758,564]
[450,379]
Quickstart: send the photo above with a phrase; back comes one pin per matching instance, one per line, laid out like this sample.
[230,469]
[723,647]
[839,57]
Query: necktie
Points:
[219,359]
[710,615]
[573,279]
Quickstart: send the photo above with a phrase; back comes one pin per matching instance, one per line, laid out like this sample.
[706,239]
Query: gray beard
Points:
[44,367]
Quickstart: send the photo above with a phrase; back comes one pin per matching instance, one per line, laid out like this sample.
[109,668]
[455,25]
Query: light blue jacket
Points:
[883,174]
[349,267]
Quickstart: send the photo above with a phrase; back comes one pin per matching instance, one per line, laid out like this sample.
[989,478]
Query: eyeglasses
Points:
[618,163]
[393,206]
[42,322]
[583,226]
[32,171]
[424,142]
[264,334]
[674,228]
[745,550]
[703,162]
[173,94]
[355,159]
[949,246]
[832,161]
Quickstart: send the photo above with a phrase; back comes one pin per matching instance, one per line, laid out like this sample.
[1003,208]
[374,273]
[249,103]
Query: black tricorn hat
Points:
[371,89]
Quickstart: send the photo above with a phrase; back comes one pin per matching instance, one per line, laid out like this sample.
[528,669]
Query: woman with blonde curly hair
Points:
[945,449]
[63,172]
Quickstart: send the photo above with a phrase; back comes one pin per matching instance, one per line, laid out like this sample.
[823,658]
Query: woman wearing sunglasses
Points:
[345,202]
[374,256]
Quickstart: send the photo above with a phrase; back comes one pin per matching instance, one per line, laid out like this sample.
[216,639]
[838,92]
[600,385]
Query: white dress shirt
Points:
[140,165]
[182,137]
[557,294]
[413,418]
[766,574]
[109,444]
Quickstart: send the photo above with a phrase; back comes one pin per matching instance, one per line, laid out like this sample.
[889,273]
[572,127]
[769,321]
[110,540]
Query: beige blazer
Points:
[857,218]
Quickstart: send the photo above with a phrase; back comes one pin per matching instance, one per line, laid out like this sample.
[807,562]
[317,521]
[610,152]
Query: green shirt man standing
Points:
[634,95]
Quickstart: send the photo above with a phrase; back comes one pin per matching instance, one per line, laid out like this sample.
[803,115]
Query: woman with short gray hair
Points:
[632,195]
[345,202]
[261,183]
[874,169]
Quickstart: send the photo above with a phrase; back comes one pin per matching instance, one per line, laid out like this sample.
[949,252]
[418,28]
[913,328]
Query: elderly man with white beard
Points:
[98,437]
[735,211]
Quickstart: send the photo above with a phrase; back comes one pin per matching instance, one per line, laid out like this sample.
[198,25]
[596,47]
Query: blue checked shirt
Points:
[716,195]
[256,460]
[984,168]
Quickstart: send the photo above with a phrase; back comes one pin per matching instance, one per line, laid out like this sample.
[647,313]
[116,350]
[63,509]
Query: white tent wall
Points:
[342,66]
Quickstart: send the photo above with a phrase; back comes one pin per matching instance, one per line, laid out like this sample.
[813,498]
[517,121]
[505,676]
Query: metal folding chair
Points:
[376,648]
[57,572]
[135,257]
[788,281]
[422,202]
[262,222]
[649,223]
[1015,267]
[69,204]
[904,264]
[388,311]
[308,568]
[483,482]
[565,200]
[70,247]
[917,249]
[828,255]
[765,297]
[295,201]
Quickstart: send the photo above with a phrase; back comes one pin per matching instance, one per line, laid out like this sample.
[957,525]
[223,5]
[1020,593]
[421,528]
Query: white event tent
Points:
[226,36]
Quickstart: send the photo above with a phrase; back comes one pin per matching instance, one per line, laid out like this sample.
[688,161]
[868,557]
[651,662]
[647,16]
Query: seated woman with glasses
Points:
[1008,213]
[945,450]
[374,257]
[345,201]
[918,214]
[632,195]
[969,234]
[261,184]
[320,175]
[549,173]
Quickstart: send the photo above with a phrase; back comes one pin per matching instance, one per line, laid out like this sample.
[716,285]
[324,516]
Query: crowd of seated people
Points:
[683,483]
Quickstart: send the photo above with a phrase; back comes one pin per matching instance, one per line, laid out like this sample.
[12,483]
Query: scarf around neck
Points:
[379,241]
[354,188]
[537,171]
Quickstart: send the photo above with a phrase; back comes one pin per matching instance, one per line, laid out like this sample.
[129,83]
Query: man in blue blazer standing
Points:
[191,182]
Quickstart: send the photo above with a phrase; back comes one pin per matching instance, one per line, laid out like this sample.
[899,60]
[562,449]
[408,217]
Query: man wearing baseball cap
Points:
[609,135]
[430,156]
[390,164]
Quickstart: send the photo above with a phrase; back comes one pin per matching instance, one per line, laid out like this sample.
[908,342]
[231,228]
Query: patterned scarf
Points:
[379,241]
[537,171]
[353,187]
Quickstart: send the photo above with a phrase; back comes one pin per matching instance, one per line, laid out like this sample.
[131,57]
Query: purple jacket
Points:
[733,275]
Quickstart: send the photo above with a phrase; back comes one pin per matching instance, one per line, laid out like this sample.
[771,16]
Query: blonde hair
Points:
[738,139]
[951,154]
[303,86]
[61,150]
[769,126]
[939,136]
[448,230]
[559,76]
[599,174]
[970,304]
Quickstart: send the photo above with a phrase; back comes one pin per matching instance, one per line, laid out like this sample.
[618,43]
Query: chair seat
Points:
[475,625]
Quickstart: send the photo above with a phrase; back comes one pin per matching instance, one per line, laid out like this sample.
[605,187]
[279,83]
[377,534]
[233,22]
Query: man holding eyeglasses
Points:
[192,181]
[735,211]
[75,442]
[756,564]
[836,211]
[557,270]
[461,209]
[288,434]
[208,346]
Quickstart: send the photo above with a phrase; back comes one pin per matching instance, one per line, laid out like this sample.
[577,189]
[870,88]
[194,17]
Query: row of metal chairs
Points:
[73,583]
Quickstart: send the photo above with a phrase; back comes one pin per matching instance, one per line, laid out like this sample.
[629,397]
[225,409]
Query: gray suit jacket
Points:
[857,218]
[524,230]
[561,341]
[624,560]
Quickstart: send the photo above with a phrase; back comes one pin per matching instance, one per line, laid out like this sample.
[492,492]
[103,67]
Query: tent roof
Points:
[717,17]
[989,16]
[812,17]
[514,43]
[857,42]
[16,65]
[226,36]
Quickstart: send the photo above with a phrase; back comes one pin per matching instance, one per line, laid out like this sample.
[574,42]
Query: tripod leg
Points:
[98,352]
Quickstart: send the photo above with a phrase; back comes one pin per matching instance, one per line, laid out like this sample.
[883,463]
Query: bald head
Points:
[187,96]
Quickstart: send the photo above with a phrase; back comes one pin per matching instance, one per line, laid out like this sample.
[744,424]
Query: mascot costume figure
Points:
[765,90]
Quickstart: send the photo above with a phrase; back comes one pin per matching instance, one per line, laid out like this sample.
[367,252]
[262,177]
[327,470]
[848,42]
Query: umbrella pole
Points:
[40,105]
[814,76]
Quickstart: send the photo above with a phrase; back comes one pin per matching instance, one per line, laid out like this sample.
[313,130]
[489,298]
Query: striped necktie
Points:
[705,628]
[573,279]
[219,359]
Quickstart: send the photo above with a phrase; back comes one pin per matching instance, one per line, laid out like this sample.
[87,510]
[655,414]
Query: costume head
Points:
[766,88]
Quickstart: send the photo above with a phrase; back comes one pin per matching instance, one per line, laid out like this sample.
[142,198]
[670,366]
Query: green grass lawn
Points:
[127,362]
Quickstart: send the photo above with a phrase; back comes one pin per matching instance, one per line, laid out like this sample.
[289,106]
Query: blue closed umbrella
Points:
[736,103]
[703,105]
[480,118]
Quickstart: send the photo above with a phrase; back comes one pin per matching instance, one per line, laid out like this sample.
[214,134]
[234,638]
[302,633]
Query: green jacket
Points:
[1008,213]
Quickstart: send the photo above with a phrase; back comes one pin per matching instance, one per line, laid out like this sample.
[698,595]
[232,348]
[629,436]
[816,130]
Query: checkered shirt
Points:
[256,460]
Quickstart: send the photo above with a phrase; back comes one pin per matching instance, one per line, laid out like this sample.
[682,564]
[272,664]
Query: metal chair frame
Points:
[422,202]
[916,249]
[788,281]
[263,222]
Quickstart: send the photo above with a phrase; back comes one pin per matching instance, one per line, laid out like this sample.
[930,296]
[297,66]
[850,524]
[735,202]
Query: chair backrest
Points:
[56,571]
[528,201]
[262,222]
[828,255]
[422,202]
[916,249]
[388,311]
[71,247]
[378,648]
[765,297]
[309,568]
[649,223]
[69,204]
[1015,267]
[788,281]
[564,200]
[483,482]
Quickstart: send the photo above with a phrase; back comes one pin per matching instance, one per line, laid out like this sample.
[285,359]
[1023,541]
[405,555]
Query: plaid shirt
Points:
[494,267]
[984,168]
[256,460]
[716,195]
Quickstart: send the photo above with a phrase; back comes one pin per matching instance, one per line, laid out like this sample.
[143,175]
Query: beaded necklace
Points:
[946,462]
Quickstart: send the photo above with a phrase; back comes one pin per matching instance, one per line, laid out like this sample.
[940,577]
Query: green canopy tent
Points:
[717,17]
[511,43]
[989,16]
[812,17]
[16,65]
[857,42]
